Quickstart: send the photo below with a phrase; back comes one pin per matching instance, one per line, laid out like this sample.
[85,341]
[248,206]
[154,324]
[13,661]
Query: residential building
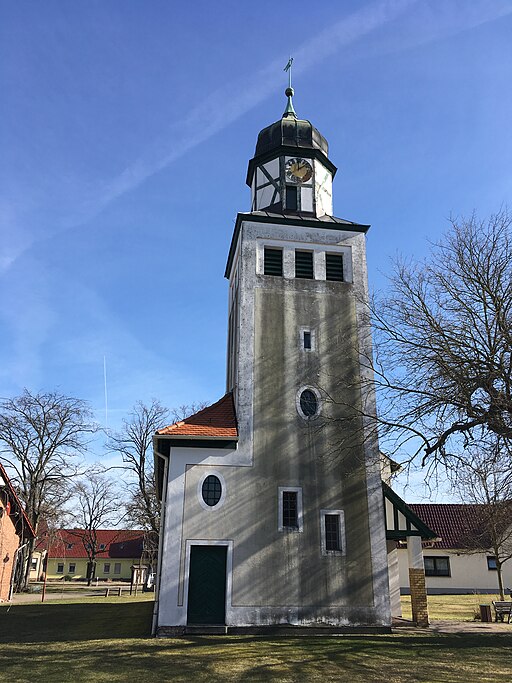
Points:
[117,551]
[450,565]
[15,534]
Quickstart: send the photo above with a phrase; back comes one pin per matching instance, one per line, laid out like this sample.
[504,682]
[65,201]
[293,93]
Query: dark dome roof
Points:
[290,132]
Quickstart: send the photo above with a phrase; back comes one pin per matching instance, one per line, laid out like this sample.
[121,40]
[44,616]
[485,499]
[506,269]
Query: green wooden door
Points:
[207,585]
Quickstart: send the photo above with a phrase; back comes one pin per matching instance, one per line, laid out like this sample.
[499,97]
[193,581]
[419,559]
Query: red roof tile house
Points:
[449,566]
[15,532]
[117,551]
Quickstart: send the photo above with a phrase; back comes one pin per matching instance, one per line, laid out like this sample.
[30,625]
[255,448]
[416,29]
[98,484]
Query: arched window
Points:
[211,490]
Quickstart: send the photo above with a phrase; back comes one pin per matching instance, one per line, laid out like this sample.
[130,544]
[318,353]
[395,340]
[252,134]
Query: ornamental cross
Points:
[288,68]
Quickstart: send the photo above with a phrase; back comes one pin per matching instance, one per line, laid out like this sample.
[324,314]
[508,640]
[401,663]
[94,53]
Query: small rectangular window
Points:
[34,563]
[106,568]
[272,261]
[332,532]
[491,563]
[307,340]
[290,518]
[334,267]
[304,264]
[60,568]
[72,568]
[437,566]
[290,508]
[117,568]
[292,202]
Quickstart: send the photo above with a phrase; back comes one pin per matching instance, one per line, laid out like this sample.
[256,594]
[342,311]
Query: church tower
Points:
[273,508]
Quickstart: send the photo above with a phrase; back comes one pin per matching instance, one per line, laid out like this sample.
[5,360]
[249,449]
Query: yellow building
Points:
[115,551]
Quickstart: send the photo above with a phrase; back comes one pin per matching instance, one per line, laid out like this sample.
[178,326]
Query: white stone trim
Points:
[300,509]
[319,251]
[229,570]
[312,332]
[222,498]
[323,544]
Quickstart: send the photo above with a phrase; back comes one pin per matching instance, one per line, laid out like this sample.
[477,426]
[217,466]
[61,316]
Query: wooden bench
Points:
[502,608]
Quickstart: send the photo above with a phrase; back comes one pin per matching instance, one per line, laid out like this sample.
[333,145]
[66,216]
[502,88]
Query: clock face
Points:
[298,170]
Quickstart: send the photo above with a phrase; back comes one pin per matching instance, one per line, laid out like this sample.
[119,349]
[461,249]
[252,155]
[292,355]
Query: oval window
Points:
[308,403]
[212,490]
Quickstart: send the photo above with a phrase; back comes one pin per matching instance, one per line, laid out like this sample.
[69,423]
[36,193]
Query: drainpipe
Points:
[15,561]
[163,507]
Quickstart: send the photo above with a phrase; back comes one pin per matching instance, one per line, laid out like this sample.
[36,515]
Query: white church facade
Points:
[272,504]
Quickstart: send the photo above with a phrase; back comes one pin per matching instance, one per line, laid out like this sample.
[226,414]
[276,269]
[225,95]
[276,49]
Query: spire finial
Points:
[289,92]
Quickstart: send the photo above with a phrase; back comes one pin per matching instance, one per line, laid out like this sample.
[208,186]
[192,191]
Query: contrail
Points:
[228,103]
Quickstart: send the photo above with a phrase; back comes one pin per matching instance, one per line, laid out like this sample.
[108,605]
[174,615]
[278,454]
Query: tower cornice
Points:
[323,223]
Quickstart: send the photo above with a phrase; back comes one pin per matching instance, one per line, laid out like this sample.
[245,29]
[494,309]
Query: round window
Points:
[308,403]
[212,490]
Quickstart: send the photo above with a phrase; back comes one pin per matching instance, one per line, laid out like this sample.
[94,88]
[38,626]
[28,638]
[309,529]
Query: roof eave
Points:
[196,437]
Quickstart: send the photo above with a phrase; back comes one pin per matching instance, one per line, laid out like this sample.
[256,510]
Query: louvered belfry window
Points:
[273,261]
[304,264]
[290,512]
[334,267]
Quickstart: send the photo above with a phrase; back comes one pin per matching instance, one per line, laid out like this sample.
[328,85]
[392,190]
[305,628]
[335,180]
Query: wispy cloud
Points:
[214,112]
[228,103]
[225,105]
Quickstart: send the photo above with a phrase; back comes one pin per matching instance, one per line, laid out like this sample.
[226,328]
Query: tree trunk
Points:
[500,579]
[91,570]
[26,559]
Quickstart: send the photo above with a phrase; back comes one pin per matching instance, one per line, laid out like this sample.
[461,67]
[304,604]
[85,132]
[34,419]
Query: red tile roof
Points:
[69,543]
[454,523]
[15,501]
[215,421]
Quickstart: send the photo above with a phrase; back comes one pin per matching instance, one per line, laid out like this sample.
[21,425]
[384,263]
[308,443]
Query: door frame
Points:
[229,570]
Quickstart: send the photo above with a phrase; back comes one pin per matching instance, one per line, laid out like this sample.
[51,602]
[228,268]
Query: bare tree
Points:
[41,436]
[187,409]
[442,362]
[95,505]
[485,481]
[135,445]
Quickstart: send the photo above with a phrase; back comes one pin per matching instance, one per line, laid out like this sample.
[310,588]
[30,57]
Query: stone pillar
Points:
[394,580]
[417,581]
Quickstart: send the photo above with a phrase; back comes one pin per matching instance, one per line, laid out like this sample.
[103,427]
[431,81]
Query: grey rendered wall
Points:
[282,577]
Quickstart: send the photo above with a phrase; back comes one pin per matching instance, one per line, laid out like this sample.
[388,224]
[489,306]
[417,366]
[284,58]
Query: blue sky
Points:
[126,128]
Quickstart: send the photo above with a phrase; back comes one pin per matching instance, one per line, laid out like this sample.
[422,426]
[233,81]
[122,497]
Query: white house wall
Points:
[469,573]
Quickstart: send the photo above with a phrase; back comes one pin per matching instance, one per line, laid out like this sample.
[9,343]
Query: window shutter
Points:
[334,267]
[273,262]
[304,264]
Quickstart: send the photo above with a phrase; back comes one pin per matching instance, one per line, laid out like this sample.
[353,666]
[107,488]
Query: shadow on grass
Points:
[57,641]
[354,659]
[52,622]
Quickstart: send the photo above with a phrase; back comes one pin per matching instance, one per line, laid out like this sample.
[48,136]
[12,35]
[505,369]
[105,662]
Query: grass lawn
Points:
[453,607]
[107,639]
